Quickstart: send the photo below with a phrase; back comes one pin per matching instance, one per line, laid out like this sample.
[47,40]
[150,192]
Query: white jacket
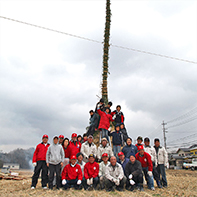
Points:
[86,150]
[107,149]
[116,172]
[102,168]
[151,151]
[82,164]
[162,156]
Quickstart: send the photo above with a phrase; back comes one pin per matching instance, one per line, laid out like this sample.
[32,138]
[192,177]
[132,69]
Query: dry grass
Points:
[181,183]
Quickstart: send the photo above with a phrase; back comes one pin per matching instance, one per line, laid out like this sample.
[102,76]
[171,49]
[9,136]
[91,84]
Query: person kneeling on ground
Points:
[91,170]
[147,166]
[133,172]
[102,167]
[72,174]
[114,176]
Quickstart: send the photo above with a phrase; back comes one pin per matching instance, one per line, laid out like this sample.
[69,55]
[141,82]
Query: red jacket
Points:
[145,160]
[40,152]
[105,120]
[74,148]
[70,173]
[66,152]
[91,170]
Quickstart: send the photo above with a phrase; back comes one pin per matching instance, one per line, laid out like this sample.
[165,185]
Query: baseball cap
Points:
[73,157]
[74,135]
[61,136]
[45,136]
[120,153]
[104,155]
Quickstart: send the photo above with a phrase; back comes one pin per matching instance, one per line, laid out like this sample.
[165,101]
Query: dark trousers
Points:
[95,183]
[91,130]
[109,184]
[41,165]
[57,170]
[155,173]
[138,181]
[73,183]
[162,172]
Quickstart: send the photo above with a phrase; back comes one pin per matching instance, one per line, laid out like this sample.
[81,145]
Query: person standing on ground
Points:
[39,162]
[104,148]
[162,161]
[129,149]
[139,142]
[65,145]
[122,160]
[54,160]
[88,148]
[61,138]
[74,146]
[151,151]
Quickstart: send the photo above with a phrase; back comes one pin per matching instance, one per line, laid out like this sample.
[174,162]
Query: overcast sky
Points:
[49,81]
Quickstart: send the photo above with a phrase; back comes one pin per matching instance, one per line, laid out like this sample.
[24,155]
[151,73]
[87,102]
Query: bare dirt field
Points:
[181,183]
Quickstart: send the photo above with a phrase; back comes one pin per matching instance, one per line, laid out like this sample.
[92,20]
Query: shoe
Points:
[45,187]
[119,189]
[90,188]
[32,187]
[165,186]
[132,188]
[109,190]
[127,188]
[141,189]
[152,188]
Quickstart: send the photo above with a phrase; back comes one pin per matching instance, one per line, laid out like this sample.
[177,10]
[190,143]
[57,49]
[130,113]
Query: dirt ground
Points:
[181,183]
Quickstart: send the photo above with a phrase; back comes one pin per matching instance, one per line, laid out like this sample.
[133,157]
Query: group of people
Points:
[79,163]
[90,167]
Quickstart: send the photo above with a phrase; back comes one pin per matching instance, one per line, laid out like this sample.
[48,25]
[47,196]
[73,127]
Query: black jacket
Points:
[135,169]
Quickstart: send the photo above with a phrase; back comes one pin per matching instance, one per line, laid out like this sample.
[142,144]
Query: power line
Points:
[183,138]
[96,41]
[184,122]
[191,112]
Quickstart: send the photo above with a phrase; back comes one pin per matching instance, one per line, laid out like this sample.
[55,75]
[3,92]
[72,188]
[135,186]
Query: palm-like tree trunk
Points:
[106,52]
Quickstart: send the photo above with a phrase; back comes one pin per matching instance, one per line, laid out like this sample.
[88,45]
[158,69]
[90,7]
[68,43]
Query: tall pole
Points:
[106,52]
[164,133]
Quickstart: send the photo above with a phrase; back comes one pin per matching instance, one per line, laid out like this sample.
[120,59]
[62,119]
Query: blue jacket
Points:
[129,150]
[117,137]
[126,160]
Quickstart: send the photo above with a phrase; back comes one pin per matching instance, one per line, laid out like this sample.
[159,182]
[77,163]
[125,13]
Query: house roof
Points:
[11,164]
[193,146]
[183,149]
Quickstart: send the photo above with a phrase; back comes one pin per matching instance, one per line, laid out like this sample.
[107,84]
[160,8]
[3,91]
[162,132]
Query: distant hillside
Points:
[20,156]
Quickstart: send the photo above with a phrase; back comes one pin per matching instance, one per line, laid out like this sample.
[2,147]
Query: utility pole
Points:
[106,52]
[164,133]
